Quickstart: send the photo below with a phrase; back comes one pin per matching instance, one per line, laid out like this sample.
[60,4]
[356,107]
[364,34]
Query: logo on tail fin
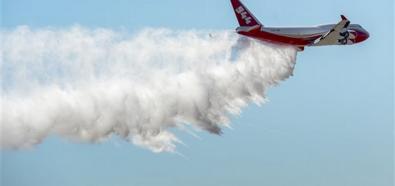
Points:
[244,14]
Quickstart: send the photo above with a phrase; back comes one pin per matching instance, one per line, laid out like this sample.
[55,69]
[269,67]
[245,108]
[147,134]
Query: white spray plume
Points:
[89,84]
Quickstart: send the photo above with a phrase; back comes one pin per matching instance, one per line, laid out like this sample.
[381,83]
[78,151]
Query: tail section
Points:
[244,16]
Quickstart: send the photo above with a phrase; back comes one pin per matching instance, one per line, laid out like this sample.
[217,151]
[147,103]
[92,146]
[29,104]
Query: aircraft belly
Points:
[297,32]
[277,38]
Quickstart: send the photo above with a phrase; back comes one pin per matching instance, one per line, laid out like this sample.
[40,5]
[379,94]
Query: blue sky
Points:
[330,124]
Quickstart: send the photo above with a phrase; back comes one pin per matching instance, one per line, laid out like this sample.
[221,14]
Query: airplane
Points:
[342,33]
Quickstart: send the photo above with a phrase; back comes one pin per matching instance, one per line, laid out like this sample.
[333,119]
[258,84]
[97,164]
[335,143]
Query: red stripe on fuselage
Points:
[276,38]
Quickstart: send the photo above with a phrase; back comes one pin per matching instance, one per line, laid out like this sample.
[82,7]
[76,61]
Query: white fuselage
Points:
[304,31]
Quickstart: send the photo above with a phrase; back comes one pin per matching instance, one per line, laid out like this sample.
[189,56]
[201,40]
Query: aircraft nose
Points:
[362,36]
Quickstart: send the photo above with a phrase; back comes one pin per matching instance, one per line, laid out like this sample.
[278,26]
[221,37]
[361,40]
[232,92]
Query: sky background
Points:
[330,124]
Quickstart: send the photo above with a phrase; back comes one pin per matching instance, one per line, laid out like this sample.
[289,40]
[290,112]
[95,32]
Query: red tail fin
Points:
[244,16]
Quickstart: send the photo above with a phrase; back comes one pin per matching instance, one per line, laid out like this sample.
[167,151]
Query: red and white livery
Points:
[342,33]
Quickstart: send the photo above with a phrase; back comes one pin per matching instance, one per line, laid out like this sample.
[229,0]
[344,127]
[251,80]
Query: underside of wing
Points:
[336,36]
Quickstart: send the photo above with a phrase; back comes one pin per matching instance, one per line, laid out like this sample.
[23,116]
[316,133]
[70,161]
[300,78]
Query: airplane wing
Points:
[335,35]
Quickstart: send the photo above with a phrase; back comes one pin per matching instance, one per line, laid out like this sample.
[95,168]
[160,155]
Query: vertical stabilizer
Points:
[244,16]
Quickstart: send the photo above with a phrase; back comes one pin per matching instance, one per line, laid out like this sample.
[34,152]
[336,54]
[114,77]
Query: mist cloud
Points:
[89,84]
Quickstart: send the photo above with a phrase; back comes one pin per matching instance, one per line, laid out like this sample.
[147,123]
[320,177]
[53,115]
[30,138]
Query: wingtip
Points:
[343,17]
